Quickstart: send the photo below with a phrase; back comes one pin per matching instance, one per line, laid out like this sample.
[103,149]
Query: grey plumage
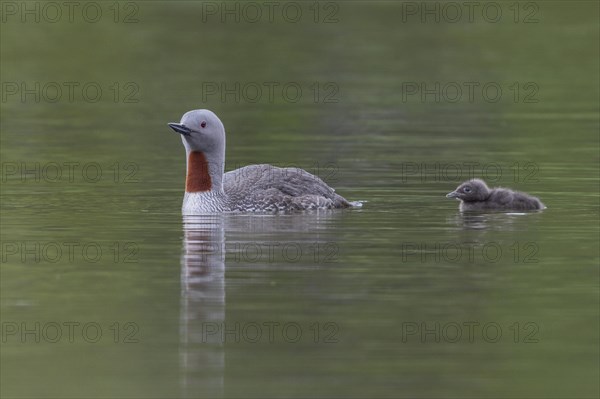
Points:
[475,195]
[269,188]
[254,188]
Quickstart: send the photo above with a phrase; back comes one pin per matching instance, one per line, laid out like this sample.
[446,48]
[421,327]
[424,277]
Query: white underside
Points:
[204,202]
[215,202]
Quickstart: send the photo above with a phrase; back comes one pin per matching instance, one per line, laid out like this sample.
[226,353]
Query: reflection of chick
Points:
[475,195]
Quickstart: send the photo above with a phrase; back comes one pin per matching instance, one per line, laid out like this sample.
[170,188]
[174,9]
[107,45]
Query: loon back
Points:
[267,187]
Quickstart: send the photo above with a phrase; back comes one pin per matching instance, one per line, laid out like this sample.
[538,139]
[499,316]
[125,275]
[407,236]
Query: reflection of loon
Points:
[202,354]
[254,188]
[202,303]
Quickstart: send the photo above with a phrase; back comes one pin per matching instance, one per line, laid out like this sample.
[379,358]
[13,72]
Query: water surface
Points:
[375,302]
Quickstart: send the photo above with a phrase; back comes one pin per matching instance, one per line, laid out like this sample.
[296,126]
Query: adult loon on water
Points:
[253,188]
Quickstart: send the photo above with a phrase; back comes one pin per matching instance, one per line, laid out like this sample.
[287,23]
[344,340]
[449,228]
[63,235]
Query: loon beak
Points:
[453,194]
[180,128]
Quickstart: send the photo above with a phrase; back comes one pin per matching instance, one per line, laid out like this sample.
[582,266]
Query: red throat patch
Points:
[198,176]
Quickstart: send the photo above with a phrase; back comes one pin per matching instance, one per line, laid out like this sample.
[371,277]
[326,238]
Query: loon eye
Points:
[467,189]
[203,124]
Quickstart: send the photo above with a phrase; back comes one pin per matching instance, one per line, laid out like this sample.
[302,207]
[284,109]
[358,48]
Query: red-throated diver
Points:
[253,188]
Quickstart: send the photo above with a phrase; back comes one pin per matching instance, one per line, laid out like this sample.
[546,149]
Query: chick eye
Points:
[203,124]
[467,189]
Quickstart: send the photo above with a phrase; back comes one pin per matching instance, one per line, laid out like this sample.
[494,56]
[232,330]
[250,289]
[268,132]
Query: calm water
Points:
[107,292]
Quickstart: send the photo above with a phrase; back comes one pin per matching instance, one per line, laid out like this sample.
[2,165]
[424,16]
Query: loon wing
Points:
[270,184]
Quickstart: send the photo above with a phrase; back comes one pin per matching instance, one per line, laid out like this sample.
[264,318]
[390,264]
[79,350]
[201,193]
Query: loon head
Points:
[203,137]
[201,130]
[471,191]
